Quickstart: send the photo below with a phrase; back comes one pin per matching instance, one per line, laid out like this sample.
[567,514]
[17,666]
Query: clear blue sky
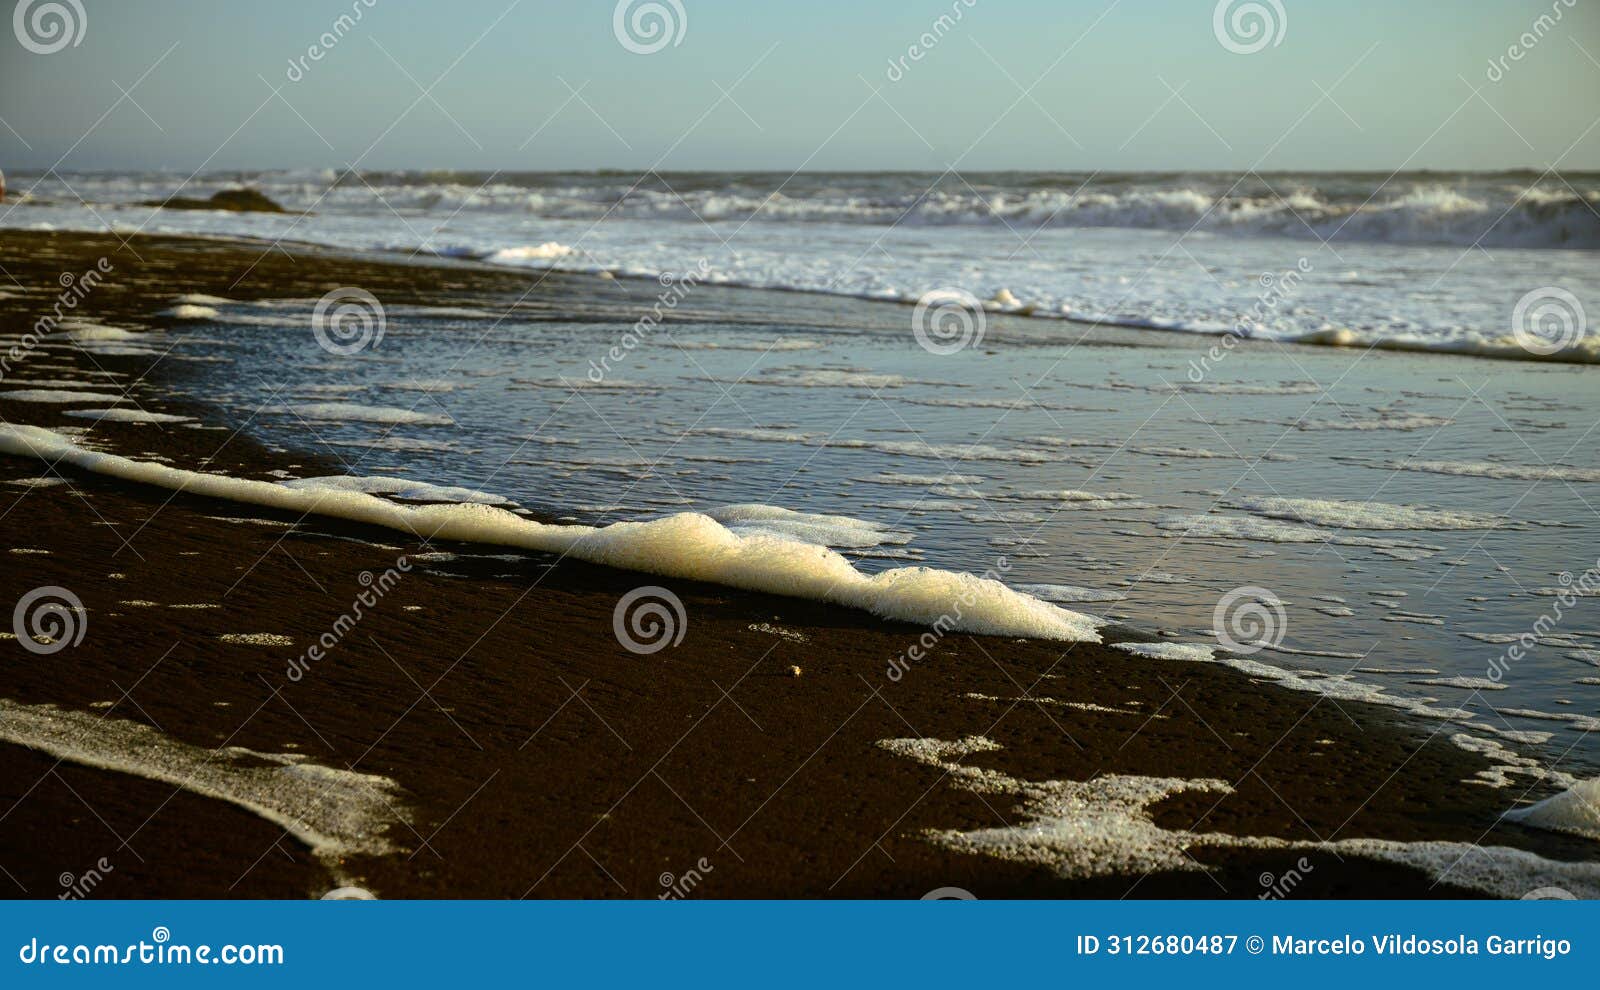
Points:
[804,102]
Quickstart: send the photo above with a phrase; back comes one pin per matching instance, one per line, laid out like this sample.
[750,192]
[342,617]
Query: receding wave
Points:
[756,550]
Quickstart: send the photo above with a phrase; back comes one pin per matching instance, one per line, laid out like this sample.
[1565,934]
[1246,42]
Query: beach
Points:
[477,723]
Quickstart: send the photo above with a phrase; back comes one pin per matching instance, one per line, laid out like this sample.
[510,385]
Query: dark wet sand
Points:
[542,759]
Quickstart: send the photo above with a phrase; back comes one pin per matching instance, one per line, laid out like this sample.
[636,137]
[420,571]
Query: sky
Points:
[822,85]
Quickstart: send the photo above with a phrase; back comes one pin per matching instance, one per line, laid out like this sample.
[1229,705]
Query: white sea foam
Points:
[85,331]
[1465,683]
[1366,515]
[762,434]
[1068,593]
[1105,827]
[1489,469]
[831,378]
[127,416]
[687,545]
[57,396]
[256,639]
[1386,421]
[1191,652]
[1163,450]
[1575,810]
[822,530]
[1097,499]
[415,491]
[1583,723]
[351,412]
[1270,531]
[192,311]
[548,251]
[897,478]
[1507,346]
[334,812]
[1337,687]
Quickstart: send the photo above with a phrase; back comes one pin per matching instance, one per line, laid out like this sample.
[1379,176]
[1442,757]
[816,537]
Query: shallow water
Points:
[1275,500]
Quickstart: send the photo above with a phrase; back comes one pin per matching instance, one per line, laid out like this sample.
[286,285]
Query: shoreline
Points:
[542,759]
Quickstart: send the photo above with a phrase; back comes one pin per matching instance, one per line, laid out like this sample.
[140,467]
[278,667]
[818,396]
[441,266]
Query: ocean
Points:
[1118,394]
[1412,260]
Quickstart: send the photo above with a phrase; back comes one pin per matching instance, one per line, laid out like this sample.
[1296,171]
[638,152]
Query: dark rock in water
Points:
[237,200]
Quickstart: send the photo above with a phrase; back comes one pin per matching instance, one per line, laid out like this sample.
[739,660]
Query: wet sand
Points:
[541,758]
